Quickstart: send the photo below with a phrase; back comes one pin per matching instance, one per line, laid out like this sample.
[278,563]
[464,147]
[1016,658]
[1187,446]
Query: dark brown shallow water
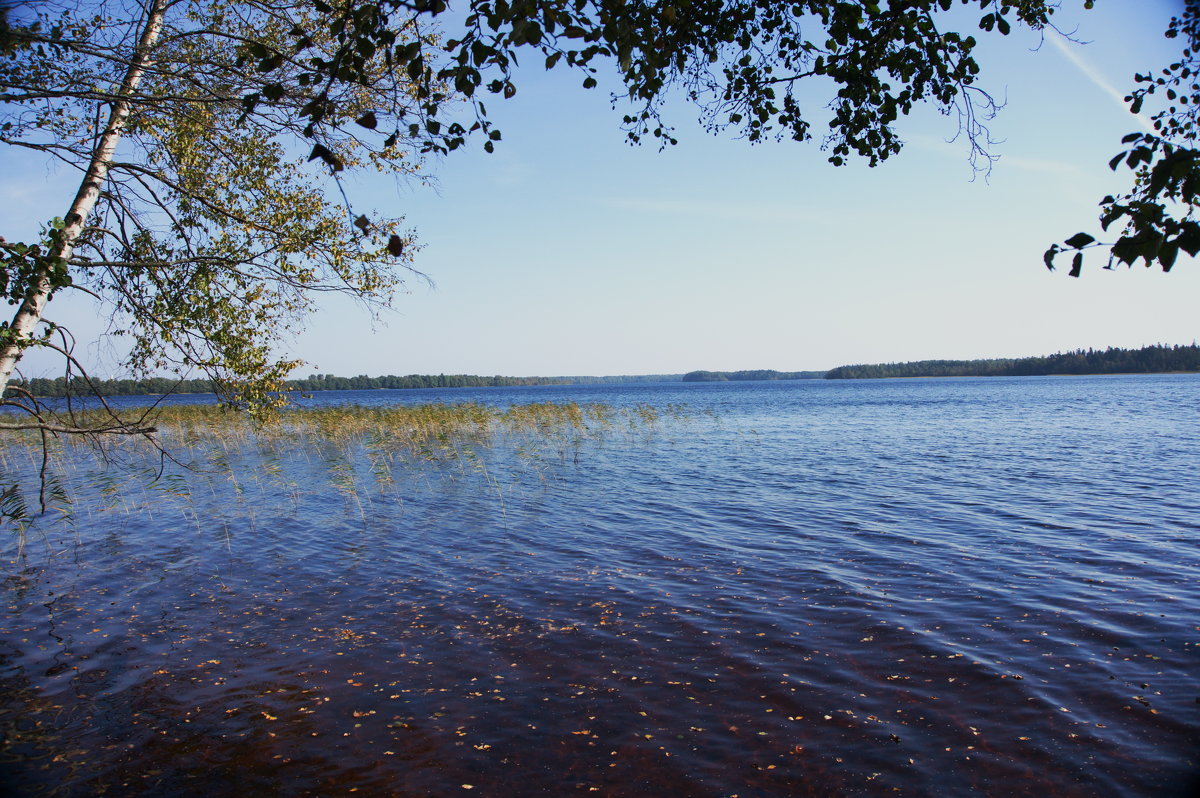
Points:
[892,588]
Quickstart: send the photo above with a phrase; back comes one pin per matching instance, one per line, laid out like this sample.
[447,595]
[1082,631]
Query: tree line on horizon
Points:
[330,382]
[59,387]
[1157,358]
[753,374]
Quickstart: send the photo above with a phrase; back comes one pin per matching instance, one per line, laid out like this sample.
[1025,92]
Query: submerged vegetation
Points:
[350,451]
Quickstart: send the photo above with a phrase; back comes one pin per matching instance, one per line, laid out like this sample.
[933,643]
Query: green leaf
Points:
[1167,254]
[1126,250]
[1076,264]
[1189,239]
[326,155]
[416,68]
[1048,256]
[1079,240]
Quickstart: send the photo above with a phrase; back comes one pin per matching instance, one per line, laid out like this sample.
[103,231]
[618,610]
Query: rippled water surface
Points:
[913,587]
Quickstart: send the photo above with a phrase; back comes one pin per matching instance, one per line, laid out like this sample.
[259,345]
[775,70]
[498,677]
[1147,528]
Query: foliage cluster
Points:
[749,67]
[1157,217]
[741,62]
[200,227]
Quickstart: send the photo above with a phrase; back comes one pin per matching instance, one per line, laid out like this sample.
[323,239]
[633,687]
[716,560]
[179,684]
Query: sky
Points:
[569,252]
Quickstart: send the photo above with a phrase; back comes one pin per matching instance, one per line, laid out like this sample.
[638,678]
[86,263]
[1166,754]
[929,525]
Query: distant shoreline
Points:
[1157,359]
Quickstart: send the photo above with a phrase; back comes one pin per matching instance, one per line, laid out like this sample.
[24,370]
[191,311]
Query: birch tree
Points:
[202,224]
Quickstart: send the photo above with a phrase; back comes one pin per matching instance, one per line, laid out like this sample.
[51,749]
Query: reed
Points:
[350,452]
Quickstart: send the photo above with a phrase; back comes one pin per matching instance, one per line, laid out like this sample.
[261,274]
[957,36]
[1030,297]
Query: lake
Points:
[869,587]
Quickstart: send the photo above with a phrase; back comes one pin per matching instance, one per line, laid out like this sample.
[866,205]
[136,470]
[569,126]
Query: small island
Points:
[754,374]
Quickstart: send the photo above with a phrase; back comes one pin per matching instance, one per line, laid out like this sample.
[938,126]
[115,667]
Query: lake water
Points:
[897,587]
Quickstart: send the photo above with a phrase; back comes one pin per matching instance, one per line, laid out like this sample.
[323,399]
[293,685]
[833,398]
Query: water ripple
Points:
[955,587]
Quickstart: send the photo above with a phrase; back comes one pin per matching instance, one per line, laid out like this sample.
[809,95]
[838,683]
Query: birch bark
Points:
[32,308]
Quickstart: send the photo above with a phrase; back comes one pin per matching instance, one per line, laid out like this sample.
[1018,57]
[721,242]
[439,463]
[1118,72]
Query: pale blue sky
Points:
[569,252]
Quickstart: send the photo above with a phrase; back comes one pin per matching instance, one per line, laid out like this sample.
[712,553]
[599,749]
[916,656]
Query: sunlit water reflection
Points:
[937,587]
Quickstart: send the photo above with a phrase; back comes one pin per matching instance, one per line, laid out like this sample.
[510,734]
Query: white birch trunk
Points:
[29,314]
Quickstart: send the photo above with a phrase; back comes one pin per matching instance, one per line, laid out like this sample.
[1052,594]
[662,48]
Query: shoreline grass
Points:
[351,451]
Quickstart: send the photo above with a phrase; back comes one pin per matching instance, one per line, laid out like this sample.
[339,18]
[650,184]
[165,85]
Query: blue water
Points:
[913,587]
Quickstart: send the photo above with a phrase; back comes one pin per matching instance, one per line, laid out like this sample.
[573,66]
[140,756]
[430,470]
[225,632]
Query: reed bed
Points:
[356,453]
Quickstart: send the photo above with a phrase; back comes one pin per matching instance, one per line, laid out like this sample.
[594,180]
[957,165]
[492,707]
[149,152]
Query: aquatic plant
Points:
[355,452]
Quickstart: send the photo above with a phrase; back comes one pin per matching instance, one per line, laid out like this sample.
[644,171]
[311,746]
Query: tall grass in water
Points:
[360,454]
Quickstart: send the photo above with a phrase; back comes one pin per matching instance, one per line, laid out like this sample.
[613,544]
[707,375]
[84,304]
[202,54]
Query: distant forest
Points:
[328,382]
[1147,360]
[1150,359]
[59,386]
[757,374]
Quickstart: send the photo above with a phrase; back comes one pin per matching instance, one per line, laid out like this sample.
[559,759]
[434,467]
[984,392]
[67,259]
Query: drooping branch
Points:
[1158,218]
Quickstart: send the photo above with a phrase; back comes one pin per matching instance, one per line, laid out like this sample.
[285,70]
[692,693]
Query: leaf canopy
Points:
[214,231]
[741,62]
